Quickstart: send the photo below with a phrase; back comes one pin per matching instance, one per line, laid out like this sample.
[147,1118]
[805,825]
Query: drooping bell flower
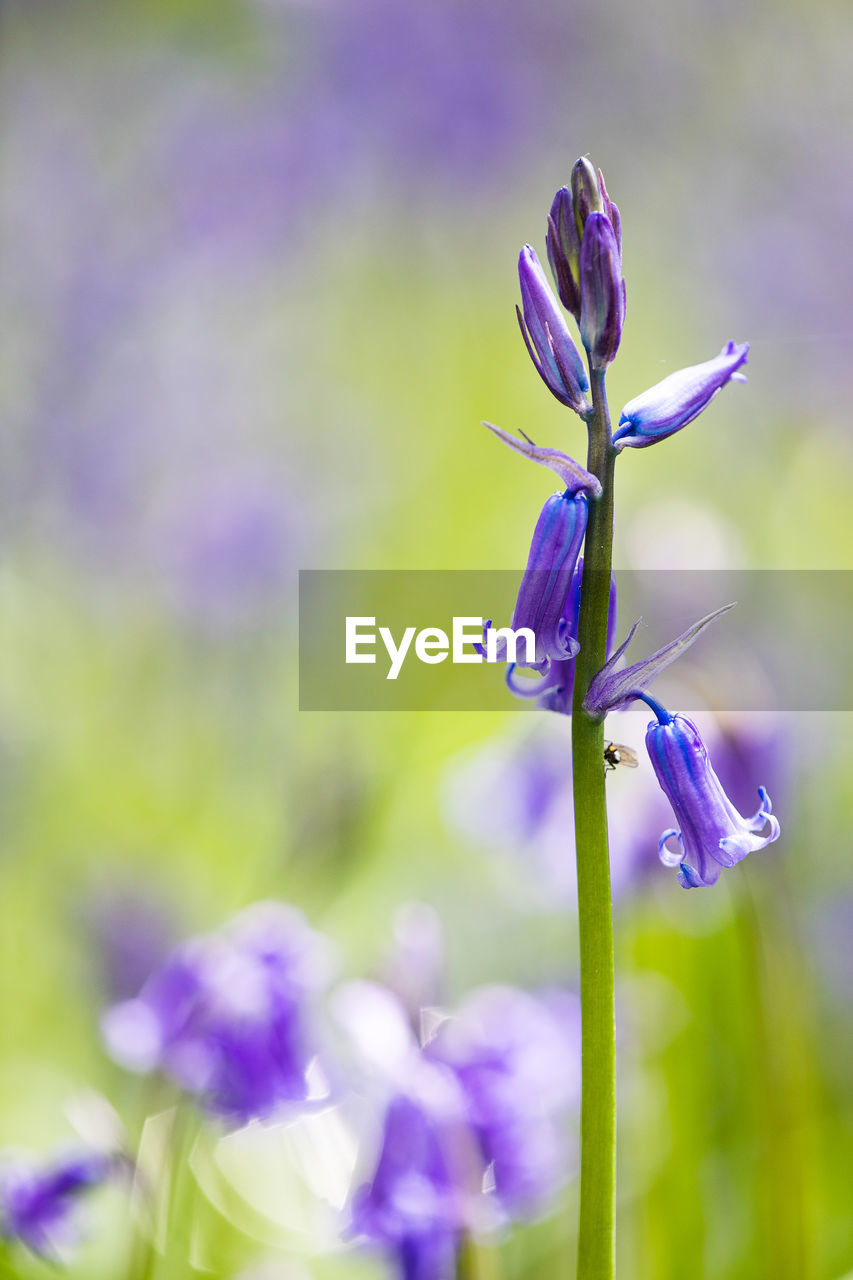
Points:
[557,540]
[712,833]
[679,398]
[554,691]
[37,1205]
[547,336]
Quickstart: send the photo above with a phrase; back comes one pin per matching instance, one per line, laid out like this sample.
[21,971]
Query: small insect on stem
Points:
[615,753]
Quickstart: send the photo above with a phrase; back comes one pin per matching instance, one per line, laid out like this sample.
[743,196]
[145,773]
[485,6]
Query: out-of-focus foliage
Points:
[259,272]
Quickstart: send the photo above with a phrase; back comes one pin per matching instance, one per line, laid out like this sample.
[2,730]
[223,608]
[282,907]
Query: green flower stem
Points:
[477,1262]
[596,1253]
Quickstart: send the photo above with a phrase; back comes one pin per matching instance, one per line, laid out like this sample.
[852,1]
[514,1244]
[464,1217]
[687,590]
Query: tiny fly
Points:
[615,753]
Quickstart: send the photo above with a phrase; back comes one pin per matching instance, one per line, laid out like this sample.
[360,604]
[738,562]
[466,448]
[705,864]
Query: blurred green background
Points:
[258,289]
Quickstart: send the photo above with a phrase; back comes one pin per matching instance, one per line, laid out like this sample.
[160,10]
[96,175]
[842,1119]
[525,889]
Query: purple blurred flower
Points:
[444,91]
[36,1206]
[669,405]
[518,1067]
[547,338]
[416,1204]
[226,1017]
[473,1133]
[547,580]
[713,834]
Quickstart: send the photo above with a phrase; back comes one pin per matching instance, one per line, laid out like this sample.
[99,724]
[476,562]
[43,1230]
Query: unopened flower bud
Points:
[602,291]
[586,193]
[547,336]
[564,250]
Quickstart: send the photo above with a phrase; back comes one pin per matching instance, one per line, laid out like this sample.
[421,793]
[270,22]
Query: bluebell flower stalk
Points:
[584,246]
[712,834]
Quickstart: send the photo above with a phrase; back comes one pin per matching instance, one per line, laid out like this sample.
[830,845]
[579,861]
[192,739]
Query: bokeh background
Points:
[258,288]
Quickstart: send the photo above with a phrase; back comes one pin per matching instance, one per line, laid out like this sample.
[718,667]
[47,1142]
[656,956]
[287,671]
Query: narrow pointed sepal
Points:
[610,688]
[671,404]
[573,475]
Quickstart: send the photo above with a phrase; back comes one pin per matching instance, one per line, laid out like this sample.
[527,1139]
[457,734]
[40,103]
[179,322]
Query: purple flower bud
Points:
[36,1207]
[547,336]
[712,833]
[602,291]
[563,244]
[669,405]
[554,551]
[586,192]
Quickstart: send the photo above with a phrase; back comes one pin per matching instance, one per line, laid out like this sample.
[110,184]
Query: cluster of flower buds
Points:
[584,245]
